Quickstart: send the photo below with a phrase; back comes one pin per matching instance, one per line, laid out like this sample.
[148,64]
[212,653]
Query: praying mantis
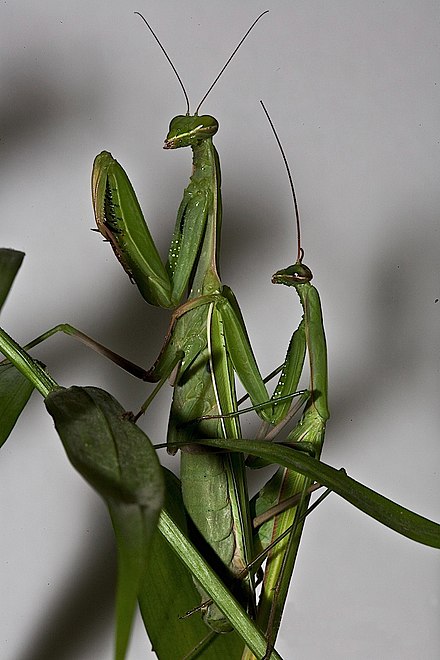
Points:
[207,423]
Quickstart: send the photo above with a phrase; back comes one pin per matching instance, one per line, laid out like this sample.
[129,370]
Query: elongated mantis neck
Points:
[206,177]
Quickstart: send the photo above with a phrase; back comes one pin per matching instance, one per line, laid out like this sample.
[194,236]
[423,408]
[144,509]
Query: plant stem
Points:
[29,367]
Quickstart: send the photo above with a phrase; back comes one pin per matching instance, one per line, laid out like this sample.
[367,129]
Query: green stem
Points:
[29,367]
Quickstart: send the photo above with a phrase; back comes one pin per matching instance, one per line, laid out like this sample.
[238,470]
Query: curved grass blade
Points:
[117,459]
[377,506]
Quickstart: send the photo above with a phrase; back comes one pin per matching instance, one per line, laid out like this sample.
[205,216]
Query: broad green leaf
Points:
[377,506]
[117,459]
[169,592]
[10,262]
[15,390]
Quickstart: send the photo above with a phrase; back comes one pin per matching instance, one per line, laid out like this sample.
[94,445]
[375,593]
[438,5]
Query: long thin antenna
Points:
[229,59]
[300,251]
[168,58]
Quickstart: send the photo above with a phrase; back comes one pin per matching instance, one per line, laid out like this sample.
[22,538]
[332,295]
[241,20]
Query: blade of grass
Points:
[377,506]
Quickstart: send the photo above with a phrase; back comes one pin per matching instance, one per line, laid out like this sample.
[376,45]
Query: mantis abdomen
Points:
[208,478]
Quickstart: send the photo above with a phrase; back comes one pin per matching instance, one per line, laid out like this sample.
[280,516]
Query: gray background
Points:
[353,88]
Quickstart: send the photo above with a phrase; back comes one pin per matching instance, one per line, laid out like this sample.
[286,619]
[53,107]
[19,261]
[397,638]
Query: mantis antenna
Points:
[230,58]
[218,75]
[300,251]
[168,58]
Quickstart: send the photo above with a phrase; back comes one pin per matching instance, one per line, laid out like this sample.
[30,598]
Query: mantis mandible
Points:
[207,342]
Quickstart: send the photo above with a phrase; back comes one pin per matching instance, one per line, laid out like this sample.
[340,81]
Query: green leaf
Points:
[117,459]
[169,592]
[15,390]
[10,262]
[377,506]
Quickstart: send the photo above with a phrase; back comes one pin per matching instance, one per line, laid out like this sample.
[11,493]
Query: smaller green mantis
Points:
[308,435]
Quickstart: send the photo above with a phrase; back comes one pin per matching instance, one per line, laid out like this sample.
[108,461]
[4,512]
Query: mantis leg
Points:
[71,331]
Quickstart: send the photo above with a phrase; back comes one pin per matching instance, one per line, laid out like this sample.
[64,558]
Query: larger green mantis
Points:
[207,344]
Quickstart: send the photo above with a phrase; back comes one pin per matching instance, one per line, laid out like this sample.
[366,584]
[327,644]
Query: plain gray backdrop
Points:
[353,88]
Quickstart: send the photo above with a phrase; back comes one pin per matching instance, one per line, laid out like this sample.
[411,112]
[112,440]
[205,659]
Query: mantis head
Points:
[296,274]
[189,130]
